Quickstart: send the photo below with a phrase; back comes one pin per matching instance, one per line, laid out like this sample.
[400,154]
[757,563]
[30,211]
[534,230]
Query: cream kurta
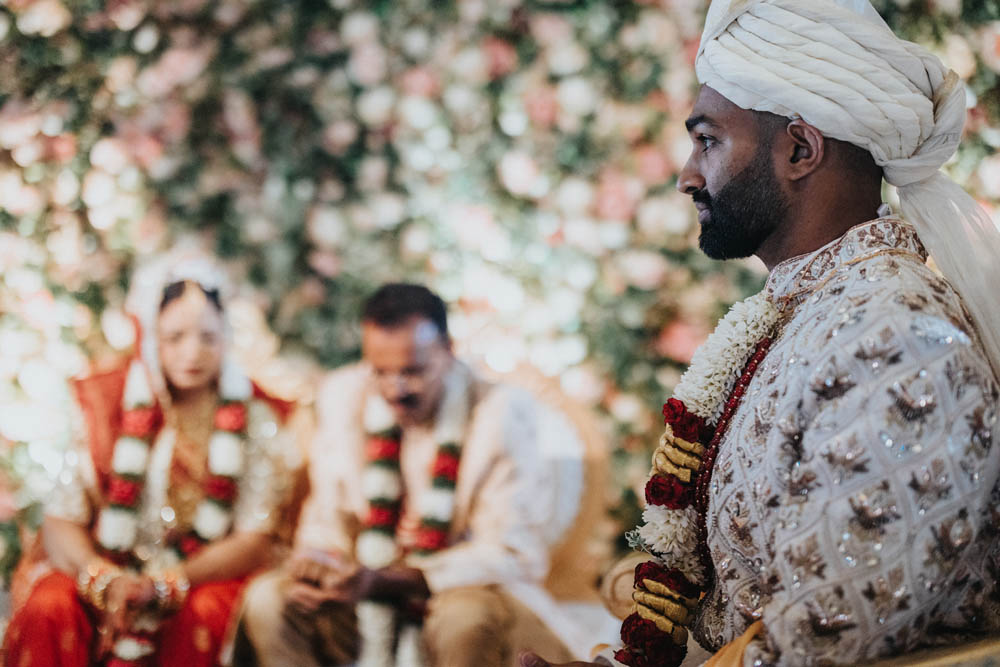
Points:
[518,489]
[854,499]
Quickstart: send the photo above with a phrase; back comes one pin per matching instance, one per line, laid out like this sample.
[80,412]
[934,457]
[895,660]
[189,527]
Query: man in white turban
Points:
[826,490]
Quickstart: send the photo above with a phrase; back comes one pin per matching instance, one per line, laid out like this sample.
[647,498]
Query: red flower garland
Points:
[431,539]
[685,424]
[645,644]
[231,417]
[382,517]
[668,491]
[124,492]
[140,422]
[221,489]
[445,467]
[384,449]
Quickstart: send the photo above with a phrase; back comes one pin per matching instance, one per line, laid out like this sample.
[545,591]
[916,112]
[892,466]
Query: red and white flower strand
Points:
[667,589]
[382,483]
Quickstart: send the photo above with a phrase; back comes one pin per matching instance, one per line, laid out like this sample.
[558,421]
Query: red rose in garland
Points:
[445,467]
[140,422]
[639,633]
[684,424]
[221,488]
[672,579]
[190,545]
[382,517]
[668,491]
[231,417]
[430,539]
[123,492]
[382,449]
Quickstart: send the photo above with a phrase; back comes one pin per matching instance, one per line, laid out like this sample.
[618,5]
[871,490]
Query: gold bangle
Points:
[668,436]
[674,611]
[663,591]
[93,580]
[172,588]
[664,466]
[677,632]
[679,457]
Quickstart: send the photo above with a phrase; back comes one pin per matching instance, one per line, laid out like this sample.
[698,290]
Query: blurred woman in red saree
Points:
[170,500]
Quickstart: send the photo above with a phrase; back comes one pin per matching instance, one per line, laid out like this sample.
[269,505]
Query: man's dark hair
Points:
[394,304]
[769,124]
[175,290]
[855,159]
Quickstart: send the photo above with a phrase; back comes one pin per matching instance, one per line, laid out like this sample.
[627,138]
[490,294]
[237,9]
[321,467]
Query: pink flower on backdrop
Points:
[126,14]
[519,173]
[61,149]
[239,113]
[501,57]
[652,165]
[691,51]
[170,120]
[322,42]
[617,196]
[679,339]
[368,64]
[339,135]
[420,81]
[18,124]
[8,507]
[548,29]
[542,105]
[176,67]
[325,263]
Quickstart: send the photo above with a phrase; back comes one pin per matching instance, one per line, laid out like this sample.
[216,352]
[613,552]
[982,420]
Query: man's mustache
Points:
[702,197]
[408,401]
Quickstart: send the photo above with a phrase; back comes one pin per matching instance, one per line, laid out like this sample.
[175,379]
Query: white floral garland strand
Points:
[375,549]
[117,528]
[718,363]
[672,534]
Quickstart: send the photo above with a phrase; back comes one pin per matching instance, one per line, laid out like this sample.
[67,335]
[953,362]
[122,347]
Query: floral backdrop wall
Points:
[517,156]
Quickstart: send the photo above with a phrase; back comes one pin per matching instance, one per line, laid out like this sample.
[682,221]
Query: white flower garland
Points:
[670,529]
[717,364]
[375,549]
[117,527]
[672,534]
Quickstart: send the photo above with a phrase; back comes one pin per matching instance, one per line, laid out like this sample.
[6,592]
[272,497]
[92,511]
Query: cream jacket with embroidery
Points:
[517,492]
[854,501]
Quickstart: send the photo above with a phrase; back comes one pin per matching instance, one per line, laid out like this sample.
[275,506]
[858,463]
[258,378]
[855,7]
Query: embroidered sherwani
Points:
[853,505]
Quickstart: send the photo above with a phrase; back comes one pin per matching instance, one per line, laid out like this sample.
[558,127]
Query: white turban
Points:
[838,66]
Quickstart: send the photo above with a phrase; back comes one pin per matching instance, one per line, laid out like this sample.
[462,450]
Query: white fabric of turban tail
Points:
[837,65]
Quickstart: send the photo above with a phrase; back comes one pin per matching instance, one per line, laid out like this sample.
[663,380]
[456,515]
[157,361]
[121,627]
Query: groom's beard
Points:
[745,212]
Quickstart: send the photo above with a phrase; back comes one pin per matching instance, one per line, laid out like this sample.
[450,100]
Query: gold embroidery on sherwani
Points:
[854,499]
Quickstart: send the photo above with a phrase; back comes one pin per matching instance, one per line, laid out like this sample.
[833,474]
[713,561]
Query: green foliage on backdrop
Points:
[519,157]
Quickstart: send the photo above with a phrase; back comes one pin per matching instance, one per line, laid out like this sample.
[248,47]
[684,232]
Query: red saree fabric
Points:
[55,629]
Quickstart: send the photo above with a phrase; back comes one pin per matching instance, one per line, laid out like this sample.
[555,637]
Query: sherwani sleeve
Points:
[886,477]
[506,539]
[325,522]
